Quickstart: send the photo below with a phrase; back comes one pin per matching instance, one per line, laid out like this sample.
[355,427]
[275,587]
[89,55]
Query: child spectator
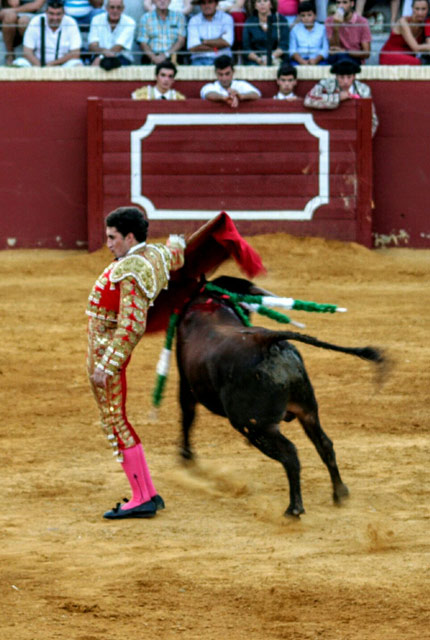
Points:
[287,82]
[407,39]
[265,23]
[308,39]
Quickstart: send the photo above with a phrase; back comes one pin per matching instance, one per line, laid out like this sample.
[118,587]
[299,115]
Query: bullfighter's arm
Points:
[176,247]
[319,98]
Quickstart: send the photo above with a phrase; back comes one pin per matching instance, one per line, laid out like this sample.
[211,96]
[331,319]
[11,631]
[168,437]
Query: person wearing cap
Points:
[348,34]
[14,20]
[226,88]
[165,73]
[117,310]
[62,39]
[161,33]
[210,33]
[330,92]
[111,37]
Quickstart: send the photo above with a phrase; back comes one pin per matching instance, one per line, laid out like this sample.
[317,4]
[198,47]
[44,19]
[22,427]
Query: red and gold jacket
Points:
[118,303]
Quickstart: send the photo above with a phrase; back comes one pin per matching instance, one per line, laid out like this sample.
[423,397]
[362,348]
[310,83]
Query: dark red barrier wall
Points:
[258,168]
[43,160]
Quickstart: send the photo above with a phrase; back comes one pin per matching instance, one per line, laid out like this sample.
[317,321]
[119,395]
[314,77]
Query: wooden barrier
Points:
[273,166]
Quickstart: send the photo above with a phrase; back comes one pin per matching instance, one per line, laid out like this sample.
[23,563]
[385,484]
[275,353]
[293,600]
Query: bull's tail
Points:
[373,354]
[366,353]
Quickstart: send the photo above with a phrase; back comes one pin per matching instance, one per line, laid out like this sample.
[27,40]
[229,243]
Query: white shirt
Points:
[221,26]
[57,43]
[282,96]
[241,86]
[123,34]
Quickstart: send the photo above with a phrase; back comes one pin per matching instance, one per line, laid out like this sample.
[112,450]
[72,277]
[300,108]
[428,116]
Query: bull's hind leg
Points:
[272,443]
[188,407]
[311,424]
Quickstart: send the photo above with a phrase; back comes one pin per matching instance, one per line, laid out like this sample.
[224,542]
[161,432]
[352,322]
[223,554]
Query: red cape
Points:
[210,246]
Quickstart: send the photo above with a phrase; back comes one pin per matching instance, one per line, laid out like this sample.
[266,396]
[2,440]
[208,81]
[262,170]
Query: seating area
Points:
[378,27]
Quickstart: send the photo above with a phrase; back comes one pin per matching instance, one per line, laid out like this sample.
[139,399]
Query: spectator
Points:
[165,73]
[62,39]
[161,33]
[407,39]
[287,82]
[183,6]
[263,27]
[14,21]
[226,89]
[83,11]
[330,92]
[289,9]
[348,34]
[308,39]
[111,37]
[210,33]
[365,6]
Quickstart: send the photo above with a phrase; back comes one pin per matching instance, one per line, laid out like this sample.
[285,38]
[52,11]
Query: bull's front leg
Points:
[188,407]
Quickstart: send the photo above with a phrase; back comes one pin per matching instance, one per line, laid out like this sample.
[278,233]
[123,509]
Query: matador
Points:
[117,309]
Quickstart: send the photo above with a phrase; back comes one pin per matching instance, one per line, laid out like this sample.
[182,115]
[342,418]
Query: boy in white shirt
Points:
[287,82]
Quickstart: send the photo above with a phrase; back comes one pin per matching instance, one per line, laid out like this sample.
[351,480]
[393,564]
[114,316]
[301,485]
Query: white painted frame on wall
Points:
[154,120]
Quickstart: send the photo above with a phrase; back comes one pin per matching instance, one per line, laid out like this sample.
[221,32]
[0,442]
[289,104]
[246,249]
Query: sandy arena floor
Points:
[221,562]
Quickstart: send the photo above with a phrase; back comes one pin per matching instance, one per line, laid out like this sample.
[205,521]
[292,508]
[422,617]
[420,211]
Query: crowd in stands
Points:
[114,33]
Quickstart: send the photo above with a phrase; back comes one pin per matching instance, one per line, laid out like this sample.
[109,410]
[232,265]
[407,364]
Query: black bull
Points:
[256,379]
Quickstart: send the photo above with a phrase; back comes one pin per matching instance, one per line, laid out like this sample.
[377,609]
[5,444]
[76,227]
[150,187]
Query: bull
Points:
[254,377]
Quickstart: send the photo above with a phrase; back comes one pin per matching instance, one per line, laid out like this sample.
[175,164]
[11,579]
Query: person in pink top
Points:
[289,9]
[407,39]
[348,34]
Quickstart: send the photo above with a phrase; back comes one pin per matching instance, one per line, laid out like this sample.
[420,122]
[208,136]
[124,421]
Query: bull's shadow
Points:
[255,378]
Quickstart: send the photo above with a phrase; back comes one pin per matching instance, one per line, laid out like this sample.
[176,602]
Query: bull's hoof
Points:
[186,454]
[294,512]
[340,494]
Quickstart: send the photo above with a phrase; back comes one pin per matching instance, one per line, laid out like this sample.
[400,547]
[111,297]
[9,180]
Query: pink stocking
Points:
[147,476]
[135,468]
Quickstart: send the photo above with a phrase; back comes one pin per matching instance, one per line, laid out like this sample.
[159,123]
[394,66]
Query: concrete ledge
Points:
[145,73]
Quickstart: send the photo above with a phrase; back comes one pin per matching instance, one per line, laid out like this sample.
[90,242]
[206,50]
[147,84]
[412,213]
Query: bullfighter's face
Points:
[165,80]
[117,243]
[345,81]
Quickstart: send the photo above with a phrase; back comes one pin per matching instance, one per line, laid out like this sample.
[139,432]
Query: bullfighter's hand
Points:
[100,378]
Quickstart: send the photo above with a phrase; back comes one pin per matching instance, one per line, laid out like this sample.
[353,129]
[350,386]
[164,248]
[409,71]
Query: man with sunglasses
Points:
[62,39]
[111,37]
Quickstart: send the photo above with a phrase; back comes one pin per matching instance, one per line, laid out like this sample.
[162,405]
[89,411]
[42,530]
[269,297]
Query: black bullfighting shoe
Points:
[145,510]
[158,501]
